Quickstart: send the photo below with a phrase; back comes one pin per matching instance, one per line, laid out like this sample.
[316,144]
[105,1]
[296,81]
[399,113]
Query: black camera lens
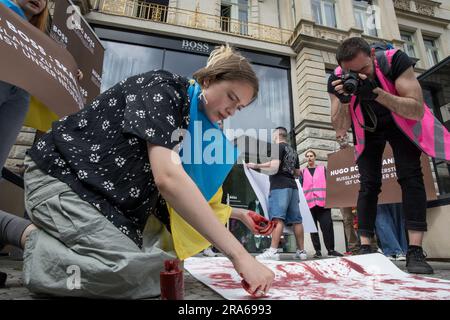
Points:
[350,82]
[350,86]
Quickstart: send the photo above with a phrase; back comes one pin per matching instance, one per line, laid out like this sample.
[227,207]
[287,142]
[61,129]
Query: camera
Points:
[350,81]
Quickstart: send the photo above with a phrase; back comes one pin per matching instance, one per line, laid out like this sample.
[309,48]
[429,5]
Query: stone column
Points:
[312,113]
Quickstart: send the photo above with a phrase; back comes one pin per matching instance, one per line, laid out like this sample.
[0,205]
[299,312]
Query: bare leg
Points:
[276,234]
[415,238]
[299,235]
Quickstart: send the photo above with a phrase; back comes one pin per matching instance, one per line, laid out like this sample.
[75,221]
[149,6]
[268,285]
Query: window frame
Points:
[323,17]
[409,44]
[432,52]
[360,8]
[236,8]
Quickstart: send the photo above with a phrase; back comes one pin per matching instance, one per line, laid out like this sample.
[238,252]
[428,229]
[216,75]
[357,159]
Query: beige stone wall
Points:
[17,154]
[312,113]
[444,10]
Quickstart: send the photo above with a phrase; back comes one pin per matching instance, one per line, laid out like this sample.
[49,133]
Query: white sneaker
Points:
[300,255]
[400,257]
[208,252]
[392,258]
[269,254]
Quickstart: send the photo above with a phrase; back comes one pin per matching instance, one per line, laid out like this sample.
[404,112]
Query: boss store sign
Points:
[196,46]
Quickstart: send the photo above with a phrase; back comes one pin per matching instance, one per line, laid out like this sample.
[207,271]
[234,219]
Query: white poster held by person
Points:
[261,186]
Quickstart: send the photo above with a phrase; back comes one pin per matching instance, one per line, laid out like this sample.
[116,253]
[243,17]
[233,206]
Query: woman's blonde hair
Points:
[224,63]
[40,20]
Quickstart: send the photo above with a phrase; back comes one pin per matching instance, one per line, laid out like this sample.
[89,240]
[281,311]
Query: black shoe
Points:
[415,261]
[364,249]
[334,253]
[3,277]
[317,255]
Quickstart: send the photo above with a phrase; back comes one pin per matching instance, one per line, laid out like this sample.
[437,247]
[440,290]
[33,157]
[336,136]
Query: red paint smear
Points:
[429,280]
[355,267]
[318,275]
[393,281]
[220,276]
[417,289]
[225,281]
[290,280]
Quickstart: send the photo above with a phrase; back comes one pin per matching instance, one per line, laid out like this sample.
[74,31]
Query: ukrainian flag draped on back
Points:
[207,157]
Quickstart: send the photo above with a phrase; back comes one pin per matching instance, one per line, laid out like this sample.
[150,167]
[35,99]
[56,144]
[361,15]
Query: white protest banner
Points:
[261,186]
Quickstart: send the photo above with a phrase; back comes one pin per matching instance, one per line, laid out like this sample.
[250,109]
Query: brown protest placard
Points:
[71,30]
[343,179]
[31,60]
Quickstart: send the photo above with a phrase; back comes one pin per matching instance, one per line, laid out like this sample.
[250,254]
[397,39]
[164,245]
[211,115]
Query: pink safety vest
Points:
[428,134]
[315,187]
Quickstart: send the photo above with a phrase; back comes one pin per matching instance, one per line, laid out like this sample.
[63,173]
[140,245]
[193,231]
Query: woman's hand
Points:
[181,192]
[257,278]
[252,165]
[257,223]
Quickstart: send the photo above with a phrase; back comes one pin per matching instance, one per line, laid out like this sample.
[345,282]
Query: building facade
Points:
[291,43]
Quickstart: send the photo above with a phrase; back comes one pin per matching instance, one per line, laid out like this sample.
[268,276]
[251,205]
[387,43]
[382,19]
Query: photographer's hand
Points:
[367,90]
[343,97]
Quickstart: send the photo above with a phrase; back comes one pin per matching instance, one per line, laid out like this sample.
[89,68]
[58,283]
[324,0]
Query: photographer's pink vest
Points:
[428,134]
[314,187]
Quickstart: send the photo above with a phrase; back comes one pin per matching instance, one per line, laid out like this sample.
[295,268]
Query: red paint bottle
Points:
[172,281]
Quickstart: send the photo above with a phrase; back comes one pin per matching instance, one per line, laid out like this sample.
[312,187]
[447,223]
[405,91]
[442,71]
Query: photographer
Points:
[377,93]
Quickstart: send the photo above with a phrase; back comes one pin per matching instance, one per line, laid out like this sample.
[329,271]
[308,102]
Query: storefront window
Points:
[271,109]
[124,60]
[182,63]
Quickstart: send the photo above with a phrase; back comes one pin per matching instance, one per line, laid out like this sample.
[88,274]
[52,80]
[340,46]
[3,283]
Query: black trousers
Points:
[323,216]
[409,176]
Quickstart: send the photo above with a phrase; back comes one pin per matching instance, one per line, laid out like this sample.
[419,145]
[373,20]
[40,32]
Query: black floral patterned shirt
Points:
[101,151]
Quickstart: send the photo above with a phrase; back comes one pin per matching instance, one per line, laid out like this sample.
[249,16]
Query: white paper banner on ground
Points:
[365,277]
[261,186]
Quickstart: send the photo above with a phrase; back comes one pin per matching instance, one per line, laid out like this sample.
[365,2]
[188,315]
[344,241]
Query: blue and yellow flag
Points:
[207,157]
